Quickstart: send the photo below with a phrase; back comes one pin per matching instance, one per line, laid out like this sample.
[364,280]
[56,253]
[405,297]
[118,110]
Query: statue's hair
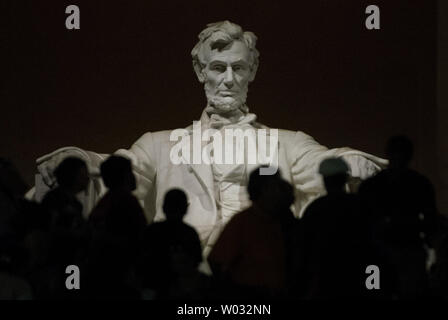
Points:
[220,34]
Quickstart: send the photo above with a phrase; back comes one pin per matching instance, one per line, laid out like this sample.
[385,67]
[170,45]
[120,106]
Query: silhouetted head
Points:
[335,174]
[270,192]
[259,184]
[117,174]
[175,205]
[399,151]
[11,182]
[72,174]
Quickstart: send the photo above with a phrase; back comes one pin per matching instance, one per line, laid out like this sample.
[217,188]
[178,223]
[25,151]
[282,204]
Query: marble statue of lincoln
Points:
[225,60]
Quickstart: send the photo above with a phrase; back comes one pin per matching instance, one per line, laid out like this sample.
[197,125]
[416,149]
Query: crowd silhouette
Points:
[264,252]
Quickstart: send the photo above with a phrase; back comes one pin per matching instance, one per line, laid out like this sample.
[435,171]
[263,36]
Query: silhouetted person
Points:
[118,222]
[250,254]
[13,286]
[293,236]
[402,210]
[14,213]
[14,209]
[64,211]
[335,246]
[61,203]
[67,229]
[172,253]
[119,211]
[22,222]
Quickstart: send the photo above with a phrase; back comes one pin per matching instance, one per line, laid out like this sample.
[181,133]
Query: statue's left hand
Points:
[47,164]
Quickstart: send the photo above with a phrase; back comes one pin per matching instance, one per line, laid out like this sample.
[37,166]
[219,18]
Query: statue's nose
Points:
[228,81]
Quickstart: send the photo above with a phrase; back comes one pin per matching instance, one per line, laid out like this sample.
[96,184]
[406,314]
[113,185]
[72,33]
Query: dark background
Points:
[128,71]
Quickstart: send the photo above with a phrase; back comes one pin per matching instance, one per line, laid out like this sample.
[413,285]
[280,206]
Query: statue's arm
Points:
[307,154]
[45,179]
[47,164]
[140,155]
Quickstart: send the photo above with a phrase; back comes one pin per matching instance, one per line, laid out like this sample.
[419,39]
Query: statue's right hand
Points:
[47,164]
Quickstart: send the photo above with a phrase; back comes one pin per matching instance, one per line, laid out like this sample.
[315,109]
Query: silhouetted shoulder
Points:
[51,198]
[241,217]
[332,207]
[155,228]
[56,199]
[189,228]
[313,209]
[165,228]
[407,179]
[420,178]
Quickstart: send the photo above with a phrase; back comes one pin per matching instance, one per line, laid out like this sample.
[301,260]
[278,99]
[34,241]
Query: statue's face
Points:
[226,75]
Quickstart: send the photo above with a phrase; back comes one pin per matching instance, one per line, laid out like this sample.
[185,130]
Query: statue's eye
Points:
[219,68]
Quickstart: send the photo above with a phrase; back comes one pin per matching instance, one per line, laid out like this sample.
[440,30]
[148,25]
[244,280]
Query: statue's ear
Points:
[198,68]
[253,72]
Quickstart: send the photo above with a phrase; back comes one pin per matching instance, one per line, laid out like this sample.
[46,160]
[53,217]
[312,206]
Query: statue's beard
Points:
[225,105]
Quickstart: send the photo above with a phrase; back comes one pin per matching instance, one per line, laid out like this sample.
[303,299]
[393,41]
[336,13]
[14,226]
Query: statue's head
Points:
[225,60]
